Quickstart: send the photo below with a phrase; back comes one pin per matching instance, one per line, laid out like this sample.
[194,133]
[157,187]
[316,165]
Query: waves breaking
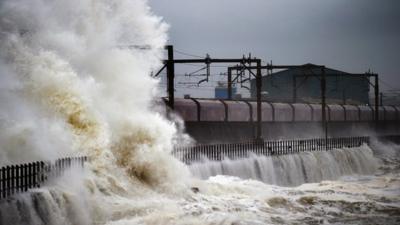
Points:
[296,169]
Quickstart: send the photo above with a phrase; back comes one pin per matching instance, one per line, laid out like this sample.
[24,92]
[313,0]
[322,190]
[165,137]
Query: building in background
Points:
[221,91]
[303,85]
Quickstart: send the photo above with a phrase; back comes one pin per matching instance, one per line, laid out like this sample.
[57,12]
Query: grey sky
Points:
[350,35]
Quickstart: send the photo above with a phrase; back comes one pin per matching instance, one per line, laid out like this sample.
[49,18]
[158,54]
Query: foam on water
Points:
[292,170]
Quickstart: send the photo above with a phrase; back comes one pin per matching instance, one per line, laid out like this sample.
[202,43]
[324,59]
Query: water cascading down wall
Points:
[293,169]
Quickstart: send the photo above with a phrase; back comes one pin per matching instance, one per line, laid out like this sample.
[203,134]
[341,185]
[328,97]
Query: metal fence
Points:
[20,178]
[217,152]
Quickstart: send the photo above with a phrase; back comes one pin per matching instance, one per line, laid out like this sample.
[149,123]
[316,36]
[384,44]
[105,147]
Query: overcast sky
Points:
[349,35]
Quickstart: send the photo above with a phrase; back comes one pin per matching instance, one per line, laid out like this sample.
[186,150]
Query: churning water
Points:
[350,199]
[72,83]
[293,170]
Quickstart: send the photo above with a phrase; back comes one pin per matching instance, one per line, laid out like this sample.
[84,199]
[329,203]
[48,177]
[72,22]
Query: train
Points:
[245,111]
[212,120]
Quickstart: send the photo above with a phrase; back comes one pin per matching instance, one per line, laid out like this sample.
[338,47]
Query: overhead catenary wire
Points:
[188,54]
[199,65]
[387,84]
[198,85]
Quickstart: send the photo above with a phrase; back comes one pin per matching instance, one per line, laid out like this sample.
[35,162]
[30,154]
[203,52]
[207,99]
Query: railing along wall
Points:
[217,152]
[20,178]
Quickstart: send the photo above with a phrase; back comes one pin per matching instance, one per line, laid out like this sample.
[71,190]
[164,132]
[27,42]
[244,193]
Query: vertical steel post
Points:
[229,83]
[259,86]
[170,75]
[376,89]
[4,182]
[294,89]
[323,104]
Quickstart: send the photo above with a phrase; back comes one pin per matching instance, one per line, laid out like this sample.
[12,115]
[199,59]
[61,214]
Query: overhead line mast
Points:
[169,64]
[245,64]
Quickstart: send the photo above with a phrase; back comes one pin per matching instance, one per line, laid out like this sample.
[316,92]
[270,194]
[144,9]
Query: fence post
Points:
[8,180]
[288,147]
[235,151]
[12,179]
[41,173]
[221,152]
[284,144]
[34,175]
[217,152]
[328,144]
[312,144]
[17,179]
[202,151]
[211,155]
[191,155]
[214,153]
[63,165]
[309,145]
[243,150]
[68,161]
[31,174]
[207,154]
[263,147]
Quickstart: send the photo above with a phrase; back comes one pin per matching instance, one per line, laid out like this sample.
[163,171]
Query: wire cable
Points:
[188,54]
[387,84]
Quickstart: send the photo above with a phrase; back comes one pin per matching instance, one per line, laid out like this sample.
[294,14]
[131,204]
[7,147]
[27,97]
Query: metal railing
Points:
[217,152]
[20,178]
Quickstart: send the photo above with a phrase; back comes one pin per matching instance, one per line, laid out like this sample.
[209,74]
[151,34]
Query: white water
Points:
[293,170]
[70,85]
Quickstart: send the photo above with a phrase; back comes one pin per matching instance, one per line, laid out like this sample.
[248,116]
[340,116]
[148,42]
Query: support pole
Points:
[170,76]
[229,83]
[376,88]
[344,96]
[259,115]
[323,105]
[294,92]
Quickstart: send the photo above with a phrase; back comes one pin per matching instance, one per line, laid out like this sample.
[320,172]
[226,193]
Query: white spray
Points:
[71,83]
[296,169]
